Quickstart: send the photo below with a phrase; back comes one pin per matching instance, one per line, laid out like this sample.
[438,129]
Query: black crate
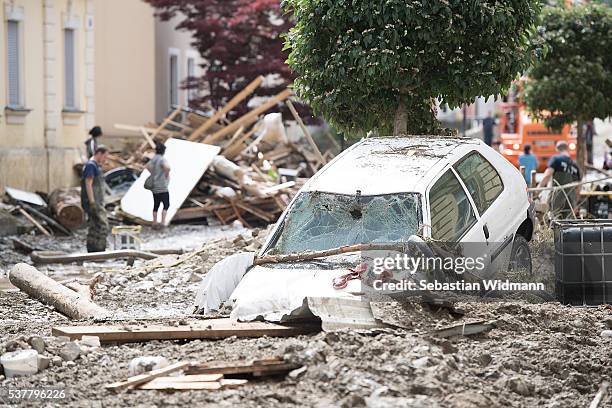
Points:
[583,261]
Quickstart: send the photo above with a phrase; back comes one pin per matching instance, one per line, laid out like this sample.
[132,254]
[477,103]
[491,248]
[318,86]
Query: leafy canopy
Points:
[356,59]
[573,79]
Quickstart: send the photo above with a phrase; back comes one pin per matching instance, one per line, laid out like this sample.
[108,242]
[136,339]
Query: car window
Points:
[481,179]
[452,214]
[319,221]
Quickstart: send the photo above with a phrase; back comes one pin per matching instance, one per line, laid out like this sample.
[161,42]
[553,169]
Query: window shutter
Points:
[14,77]
[69,74]
[173,80]
[190,74]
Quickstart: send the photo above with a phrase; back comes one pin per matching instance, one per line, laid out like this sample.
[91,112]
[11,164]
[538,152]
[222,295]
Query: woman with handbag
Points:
[157,182]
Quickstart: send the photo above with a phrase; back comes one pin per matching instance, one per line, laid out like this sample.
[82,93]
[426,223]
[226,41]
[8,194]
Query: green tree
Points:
[380,64]
[572,82]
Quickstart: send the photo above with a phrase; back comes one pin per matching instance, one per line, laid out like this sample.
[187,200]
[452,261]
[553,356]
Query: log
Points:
[44,289]
[65,206]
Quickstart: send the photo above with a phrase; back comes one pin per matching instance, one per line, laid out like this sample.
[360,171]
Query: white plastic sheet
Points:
[221,280]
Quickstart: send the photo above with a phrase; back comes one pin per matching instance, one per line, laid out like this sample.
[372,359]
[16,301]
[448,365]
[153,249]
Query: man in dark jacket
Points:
[92,201]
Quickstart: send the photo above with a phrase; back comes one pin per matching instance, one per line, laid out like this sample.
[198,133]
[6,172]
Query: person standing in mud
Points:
[160,177]
[92,201]
[562,170]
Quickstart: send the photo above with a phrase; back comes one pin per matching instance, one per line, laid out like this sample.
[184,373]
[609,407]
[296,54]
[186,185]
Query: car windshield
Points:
[319,221]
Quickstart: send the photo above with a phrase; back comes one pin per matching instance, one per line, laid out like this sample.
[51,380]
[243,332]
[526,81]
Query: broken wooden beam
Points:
[202,329]
[255,368]
[34,222]
[228,107]
[249,116]
[41,287]
[49,257]
[146,377]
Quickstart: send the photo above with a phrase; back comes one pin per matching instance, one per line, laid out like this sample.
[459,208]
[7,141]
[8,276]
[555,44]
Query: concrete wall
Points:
[125,64]
[39,145]
[170,41]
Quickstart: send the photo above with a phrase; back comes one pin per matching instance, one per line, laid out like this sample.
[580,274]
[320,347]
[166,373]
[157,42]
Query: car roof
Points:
[383,165]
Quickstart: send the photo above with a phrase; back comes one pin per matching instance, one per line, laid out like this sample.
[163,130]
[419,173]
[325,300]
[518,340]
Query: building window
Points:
[174,80]
[70,69]
[190,75]
[15,94]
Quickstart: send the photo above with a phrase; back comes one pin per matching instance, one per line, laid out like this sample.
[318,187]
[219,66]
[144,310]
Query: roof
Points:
[383,165]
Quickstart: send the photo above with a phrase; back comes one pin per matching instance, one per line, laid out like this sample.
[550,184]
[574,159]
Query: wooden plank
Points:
[190,378]
[311,141]
[143,378]
[261,368]
[249,116]
[34,222]
[228,107]
[235,148]
[147,137]
[203,329]
[278,187]
[256,212]
[191,386]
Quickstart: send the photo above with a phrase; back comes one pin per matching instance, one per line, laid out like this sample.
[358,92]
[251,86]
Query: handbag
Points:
[148,184]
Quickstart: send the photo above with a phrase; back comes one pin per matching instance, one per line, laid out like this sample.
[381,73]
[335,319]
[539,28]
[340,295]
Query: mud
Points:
[538,355]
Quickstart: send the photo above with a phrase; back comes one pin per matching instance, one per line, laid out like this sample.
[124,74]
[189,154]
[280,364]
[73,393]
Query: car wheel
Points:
[520,259]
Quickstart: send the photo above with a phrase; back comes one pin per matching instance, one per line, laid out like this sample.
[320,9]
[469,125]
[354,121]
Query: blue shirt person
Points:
[529,161]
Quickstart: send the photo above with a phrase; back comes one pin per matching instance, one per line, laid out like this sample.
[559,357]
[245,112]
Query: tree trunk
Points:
[39,286]
[580,147]
[65,205]
[400,124]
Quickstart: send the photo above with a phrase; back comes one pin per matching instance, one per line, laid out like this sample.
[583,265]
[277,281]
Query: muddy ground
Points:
[538,355]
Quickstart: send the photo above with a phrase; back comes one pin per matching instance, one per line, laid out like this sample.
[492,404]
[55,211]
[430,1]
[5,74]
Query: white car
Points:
[387,190]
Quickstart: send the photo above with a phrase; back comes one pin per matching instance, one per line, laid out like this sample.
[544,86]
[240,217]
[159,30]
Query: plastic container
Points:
[583,262]
[20,363]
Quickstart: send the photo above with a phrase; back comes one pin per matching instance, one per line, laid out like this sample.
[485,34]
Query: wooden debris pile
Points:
[206,376]
[257,171]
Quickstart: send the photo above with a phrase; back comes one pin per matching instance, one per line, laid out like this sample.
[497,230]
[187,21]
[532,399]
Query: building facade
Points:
[47,90]
[67,65]
[141,64]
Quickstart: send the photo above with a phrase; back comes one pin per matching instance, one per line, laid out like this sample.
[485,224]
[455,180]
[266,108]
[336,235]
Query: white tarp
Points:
[188,162]
[278,294]
[221,280]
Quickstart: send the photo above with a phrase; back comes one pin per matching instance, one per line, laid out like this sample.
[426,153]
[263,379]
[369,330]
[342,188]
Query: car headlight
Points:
[516,146]
[572,146]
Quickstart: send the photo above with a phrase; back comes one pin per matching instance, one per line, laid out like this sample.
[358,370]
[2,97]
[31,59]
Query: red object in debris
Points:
[341,282]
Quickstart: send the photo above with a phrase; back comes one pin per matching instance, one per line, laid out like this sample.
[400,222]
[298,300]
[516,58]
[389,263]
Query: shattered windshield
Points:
[319,221]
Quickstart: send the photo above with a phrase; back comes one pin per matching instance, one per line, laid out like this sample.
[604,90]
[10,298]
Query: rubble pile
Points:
[256,173]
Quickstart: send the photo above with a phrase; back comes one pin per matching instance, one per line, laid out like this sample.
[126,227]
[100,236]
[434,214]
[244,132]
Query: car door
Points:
[486,189]
[453,219]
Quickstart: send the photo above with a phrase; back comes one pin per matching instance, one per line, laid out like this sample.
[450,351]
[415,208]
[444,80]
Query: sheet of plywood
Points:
[188,162]
[203,329]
